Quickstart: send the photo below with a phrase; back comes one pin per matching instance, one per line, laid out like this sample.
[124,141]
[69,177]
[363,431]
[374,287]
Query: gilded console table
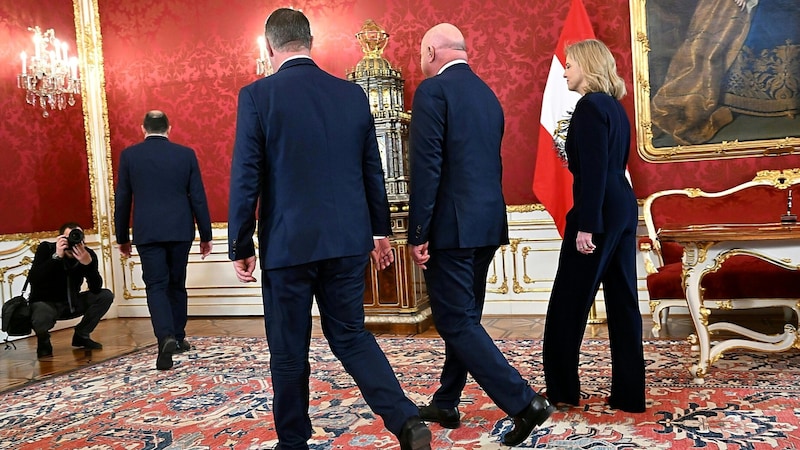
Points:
[706,248]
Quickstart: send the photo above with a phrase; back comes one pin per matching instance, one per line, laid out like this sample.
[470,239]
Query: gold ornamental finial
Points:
[373,39]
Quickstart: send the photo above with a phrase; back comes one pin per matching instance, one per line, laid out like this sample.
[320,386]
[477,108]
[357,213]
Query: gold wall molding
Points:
[525,208]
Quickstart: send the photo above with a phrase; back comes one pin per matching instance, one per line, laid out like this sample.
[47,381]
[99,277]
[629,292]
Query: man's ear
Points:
[270,51]
[431,53]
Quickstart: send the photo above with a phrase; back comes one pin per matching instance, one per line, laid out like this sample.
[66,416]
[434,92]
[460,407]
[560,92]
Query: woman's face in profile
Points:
[574,76]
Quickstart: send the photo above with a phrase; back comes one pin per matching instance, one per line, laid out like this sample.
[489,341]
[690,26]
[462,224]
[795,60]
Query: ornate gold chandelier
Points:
[49,76]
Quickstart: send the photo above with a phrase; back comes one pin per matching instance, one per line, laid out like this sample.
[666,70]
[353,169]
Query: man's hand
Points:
[205,249]
[80,253]
[125,249]
[420,255]
[61,246]
[244,269]
[382,255]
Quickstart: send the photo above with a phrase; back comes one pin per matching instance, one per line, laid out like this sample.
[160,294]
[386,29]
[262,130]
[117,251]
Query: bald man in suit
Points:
[457,221]
[306,150]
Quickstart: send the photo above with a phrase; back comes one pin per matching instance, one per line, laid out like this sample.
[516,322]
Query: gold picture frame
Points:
[673,47]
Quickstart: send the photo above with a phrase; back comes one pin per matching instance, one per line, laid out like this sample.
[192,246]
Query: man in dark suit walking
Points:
[306,148]
[457,221]
[162,181]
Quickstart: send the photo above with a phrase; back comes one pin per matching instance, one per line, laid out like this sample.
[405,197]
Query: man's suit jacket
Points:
[456,171]
[162,181]
[306,147]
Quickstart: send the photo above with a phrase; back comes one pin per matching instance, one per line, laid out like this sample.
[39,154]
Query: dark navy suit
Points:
[597,148]
[161,181]
[457,206]
[306,149]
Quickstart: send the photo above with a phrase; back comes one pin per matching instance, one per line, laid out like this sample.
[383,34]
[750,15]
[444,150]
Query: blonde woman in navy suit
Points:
[306,150]
[600,238]
[457,221]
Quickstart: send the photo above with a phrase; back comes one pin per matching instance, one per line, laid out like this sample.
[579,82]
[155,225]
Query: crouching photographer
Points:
[56,276]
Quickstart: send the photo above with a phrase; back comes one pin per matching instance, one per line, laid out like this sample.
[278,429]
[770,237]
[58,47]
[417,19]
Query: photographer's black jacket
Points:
[48,276]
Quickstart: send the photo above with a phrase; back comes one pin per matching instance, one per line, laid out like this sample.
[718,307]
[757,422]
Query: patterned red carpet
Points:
[218,397]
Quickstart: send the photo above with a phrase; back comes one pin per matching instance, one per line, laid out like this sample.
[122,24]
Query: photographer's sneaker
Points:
[44,348]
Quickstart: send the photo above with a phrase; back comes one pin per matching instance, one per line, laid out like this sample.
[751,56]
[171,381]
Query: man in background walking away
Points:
[306,150]
[457,221]
[162,181]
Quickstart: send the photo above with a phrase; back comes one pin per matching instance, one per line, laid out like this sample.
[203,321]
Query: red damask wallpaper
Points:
[45,179]
[190,58]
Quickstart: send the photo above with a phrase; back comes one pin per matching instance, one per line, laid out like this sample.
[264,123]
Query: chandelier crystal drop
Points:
[49,76]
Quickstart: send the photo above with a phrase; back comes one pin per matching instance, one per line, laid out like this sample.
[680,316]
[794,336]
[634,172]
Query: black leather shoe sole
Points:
[415,436]
[524,424]
[165,350]
[447,418]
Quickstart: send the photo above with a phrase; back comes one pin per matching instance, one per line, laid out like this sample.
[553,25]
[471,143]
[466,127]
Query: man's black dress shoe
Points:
[183,346]
[166,348]
[531,417]
[448,418]
[415,435]
[86,342]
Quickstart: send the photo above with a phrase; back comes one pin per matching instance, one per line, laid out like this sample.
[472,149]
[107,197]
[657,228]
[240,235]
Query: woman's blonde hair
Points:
[598,66]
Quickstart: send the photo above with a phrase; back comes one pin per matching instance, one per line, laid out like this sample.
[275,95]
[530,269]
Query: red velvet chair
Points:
[743,281]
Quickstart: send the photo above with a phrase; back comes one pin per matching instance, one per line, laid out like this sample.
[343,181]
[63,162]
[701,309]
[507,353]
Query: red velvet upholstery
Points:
[740,276]
[671,252]
[756,204]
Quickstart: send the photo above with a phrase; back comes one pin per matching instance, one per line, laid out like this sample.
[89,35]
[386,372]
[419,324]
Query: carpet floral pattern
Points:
[218,396]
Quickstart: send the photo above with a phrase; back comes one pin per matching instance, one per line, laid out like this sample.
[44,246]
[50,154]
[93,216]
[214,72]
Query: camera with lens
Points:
[74,237]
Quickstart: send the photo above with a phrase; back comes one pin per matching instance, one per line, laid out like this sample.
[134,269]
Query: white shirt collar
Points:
[293,57]
[451,63]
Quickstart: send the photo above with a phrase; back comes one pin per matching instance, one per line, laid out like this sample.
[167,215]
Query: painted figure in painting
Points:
[739,57]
